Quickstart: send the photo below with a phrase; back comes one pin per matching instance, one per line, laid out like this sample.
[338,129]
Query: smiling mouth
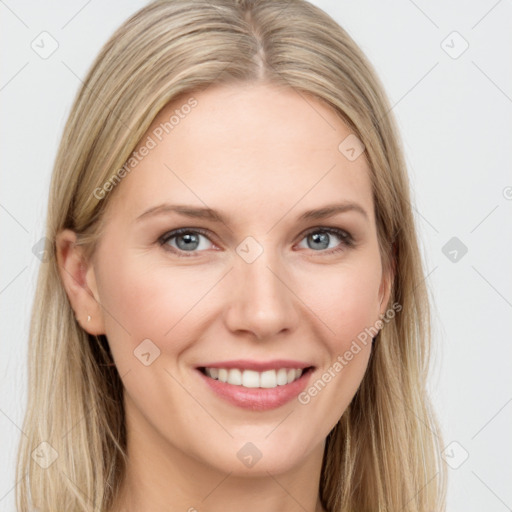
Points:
[253,379]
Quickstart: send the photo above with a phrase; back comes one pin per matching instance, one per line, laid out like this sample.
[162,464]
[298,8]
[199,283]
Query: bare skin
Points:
[261,156]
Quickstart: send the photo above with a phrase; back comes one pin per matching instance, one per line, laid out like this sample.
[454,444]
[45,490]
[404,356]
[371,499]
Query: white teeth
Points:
[254,379]
[235,377]
[268,379]
[250,379]
[282,377]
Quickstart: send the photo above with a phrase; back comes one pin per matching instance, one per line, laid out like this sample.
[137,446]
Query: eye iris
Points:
[320,237]
[191,239]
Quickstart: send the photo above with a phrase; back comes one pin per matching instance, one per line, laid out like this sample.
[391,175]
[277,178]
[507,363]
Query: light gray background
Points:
[455,119]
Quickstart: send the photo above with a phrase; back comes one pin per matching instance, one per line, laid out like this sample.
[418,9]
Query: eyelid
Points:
[347,240]
[342,233]
[168,235]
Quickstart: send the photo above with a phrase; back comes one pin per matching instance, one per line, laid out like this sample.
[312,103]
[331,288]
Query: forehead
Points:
[245,146]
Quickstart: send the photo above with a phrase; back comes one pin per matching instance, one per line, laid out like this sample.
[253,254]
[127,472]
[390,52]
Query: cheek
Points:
[142,301]
[349,308]
[345,298]
[165,303]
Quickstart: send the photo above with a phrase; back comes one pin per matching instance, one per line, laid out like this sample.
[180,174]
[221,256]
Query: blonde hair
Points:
[384,453]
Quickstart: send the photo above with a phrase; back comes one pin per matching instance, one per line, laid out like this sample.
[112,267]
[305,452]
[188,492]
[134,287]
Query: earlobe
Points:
[78,278]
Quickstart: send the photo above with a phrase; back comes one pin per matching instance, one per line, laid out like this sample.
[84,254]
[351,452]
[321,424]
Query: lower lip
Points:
[257,399]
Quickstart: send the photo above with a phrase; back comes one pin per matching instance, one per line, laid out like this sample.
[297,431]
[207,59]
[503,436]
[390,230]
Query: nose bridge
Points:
[262,303]
[260,278]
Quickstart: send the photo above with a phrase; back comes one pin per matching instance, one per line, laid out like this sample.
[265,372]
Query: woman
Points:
[233,314]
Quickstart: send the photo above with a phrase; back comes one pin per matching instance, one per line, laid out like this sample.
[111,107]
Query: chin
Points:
[258,458]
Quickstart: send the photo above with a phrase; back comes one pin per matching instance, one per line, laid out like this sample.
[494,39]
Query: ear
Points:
[79,281]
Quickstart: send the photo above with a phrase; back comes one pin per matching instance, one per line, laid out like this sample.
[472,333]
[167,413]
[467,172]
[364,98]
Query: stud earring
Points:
[88,318]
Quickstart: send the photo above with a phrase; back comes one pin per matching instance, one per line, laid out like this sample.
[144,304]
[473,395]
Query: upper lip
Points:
[259,366]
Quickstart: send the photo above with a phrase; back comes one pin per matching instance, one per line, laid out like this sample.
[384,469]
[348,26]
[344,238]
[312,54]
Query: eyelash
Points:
[347,241]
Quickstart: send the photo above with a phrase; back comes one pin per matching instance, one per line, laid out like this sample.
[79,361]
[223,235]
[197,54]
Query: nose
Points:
[262,300]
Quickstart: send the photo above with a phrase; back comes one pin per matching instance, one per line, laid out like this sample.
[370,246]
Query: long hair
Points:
[384,453]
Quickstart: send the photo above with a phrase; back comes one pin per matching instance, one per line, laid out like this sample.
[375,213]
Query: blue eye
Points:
[188,240]
[321,237]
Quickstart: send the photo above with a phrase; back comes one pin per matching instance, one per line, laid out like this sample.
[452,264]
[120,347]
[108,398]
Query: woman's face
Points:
[266,289]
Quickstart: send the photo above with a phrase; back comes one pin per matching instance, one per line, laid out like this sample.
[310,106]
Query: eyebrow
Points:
[215,216]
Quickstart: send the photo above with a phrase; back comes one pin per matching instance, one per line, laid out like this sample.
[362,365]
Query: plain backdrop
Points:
[447,70]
